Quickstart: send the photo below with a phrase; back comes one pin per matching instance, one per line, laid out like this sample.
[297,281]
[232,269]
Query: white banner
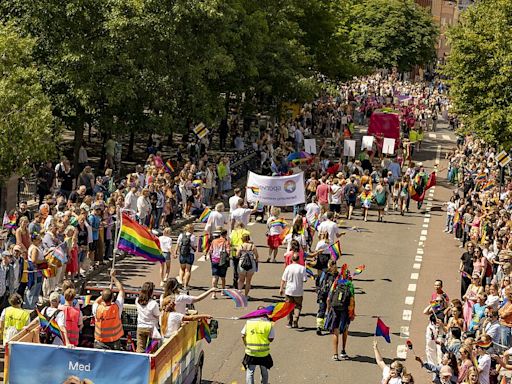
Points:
[280,191]
[367,143]
[349,148]
[388,147]
[310,146]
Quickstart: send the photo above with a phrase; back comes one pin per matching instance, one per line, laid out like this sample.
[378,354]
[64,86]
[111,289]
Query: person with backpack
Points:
[185,248]
[341,311]
[324,282]
[218,253]
[350,194]
[248,263]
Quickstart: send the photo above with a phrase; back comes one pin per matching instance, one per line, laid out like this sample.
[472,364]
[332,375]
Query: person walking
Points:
[341,311]
[235,242]
[292,285]
[248,264]
[218,253]
[323,284]
[185,248]
[257,334]
[166,246]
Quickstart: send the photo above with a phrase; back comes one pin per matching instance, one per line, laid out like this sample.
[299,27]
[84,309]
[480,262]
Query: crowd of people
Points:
[74,230]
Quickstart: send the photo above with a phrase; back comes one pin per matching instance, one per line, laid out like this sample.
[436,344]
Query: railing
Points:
[27,189]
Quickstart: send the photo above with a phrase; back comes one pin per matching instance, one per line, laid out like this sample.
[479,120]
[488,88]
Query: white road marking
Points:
[426,220]
[419,251]
[401,352]
[419,259]
[406,315]
[429,199]
[415,276]
[409,300]
[427,215]
[446,137]
[404,332]
[411,288]
[423,238]
[432,135]
[420,243]
[424,232]
[202,258]
[416,266]
[425,225]
[194,267]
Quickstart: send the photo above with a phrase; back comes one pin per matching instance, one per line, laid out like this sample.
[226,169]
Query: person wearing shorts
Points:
[275,226]
[186,258]
[217,253]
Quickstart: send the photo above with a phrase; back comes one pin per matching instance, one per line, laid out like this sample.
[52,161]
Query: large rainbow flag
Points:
[274,312]
[138,240]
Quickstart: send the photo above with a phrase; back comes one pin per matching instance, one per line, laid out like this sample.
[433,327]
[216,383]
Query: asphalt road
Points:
[389,250]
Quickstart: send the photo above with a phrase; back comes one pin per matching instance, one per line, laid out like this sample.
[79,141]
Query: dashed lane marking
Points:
[411,288]
[409,300]
[416,266]
[415,276]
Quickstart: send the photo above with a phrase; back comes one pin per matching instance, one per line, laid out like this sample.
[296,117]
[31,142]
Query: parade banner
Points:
[349,148]
[280,191]
[34,364]
[310,146]
[388,147]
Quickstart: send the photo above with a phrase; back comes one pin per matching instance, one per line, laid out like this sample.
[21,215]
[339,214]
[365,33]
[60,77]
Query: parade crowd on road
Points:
[75,226]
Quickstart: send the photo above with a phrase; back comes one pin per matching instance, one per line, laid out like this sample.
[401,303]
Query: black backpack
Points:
[340,299]
[246,259]
[185,246]
[45,335]
[323,283]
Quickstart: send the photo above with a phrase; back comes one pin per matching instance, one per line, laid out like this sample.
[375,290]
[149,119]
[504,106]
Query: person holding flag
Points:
[391,374]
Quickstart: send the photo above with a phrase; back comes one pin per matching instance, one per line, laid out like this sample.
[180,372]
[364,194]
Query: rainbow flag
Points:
[51,325]
[360,269]
[203,331]
[239,298]
[335,250]
[489,185]
[435,306]
[85,300]
[481,178]
[310,273]
[9,222]
[151,346]
[382,330]
[138,240]
[285,232]
[255,190]
[205,215]
[274,311]
[203,243]
[278,223]
[315,223]
[168,166]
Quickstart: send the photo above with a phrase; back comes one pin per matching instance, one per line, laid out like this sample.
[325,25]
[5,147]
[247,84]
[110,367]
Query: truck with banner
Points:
[179,360]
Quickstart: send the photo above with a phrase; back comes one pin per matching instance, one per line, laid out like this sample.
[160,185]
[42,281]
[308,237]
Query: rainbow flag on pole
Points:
[239,298]
[9,222]
[51,325]
[168,166]
[205,215]
[489,185]
[138,240]
[203,331]
[335,250]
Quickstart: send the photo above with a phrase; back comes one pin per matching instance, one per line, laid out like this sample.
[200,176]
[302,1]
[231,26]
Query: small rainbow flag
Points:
[239,299]
[278,223]
[168,166]
[203,243]
[204,216]
[435,305]
[360,269]
[335,250]
[136,239]
[9,222]
[254,190]
[315,223]
[489,185]
[203,331]
[85,300]
[51,325]
[285,232]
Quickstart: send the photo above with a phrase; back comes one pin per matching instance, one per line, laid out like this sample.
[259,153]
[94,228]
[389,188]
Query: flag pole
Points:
[118,236]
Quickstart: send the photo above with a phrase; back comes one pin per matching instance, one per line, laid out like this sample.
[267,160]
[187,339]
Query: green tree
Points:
[392,33]
[480,70]
[25,112]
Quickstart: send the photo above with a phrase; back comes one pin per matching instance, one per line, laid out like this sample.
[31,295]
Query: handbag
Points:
[224,257]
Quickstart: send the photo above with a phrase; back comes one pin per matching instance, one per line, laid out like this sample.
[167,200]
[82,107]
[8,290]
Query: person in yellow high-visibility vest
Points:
[13,319]
[257,335]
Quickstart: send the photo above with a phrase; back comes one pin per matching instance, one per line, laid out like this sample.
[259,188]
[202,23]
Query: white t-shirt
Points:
[233,202]
[215,220]
[288,240]
[165,243]
[331,228]
[147,315]
[274,229]
[174,321]
[241,215]
[322,245]
[484,363]
[450,208]
[312,210]
[180,302]
[295,276]
[335,194]
[385,375]
[119,301]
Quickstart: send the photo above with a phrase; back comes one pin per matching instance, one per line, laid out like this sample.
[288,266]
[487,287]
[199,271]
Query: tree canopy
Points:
[480,70]
[26,133]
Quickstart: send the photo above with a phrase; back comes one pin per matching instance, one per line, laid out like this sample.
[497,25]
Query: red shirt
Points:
[288,258]
[322,193]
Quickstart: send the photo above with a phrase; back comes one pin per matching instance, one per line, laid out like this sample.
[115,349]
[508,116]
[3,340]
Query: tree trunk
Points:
[79,137]
[131,144]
